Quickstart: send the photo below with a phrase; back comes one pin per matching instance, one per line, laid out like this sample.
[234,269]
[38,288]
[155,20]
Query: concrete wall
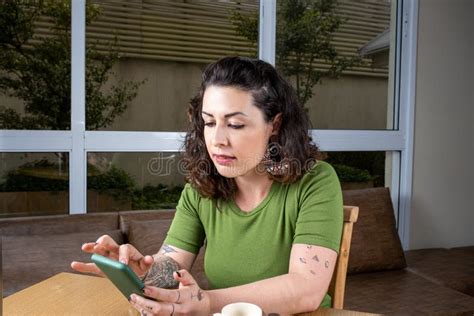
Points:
[442,212]
[351,102]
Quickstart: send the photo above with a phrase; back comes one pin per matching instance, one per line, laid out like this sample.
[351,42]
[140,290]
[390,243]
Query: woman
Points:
[270,213]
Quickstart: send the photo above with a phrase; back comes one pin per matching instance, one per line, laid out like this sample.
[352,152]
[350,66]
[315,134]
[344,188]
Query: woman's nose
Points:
[219,137]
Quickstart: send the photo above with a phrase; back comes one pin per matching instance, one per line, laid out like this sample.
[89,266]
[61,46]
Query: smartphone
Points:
[120,274]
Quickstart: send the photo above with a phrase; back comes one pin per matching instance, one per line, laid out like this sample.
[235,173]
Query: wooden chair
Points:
[338,281]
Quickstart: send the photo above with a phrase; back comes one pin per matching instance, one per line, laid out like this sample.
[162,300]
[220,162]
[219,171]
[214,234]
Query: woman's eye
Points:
[236,126]
[209,124]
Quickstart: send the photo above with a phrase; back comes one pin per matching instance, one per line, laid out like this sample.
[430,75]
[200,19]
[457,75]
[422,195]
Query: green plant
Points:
[115,181]
[371,161]
[37,69]
[351,174]
[305,30]
[42,175]
[156,197]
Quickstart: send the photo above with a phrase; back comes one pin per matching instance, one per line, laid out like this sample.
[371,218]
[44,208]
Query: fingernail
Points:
[179,274]
[147,291]
[123,261]
[132,298]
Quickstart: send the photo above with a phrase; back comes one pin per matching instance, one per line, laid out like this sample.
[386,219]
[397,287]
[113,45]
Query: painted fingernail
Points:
[179,274]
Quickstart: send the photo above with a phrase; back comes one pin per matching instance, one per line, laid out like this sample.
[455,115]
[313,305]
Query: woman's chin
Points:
[229,171]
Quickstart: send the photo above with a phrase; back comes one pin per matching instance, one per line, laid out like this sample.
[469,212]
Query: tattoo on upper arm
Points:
[167,249]
[303,260]
[309,246]
[326,264]
[161,273]
[315,258]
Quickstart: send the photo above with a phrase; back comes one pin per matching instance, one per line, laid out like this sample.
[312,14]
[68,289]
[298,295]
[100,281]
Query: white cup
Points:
[240,309]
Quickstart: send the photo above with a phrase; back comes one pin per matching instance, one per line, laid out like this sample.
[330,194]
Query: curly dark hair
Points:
[272,95]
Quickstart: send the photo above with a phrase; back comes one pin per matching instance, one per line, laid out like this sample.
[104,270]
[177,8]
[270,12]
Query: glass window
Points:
[133,181]
[145,58]
[35,65]
[34,184]
[339,57]
[360,170]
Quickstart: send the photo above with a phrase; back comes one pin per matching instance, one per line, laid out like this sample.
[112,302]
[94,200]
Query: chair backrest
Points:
[338,281]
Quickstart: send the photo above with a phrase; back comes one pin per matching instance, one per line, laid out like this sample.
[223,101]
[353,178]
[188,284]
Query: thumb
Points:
[145,263]
[184,277]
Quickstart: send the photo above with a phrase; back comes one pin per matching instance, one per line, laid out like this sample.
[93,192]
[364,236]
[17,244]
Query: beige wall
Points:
[354,102]
[442,213]
[350,102]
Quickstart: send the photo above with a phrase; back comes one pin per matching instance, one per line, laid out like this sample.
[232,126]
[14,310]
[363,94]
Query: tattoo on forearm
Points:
[303,260]
[166,249]
[315,258]
[161,273]
[326,264]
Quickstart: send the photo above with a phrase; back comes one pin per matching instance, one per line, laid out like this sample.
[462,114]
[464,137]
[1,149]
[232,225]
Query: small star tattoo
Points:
[303,260]
[312,272]
[309,247]
[315,258]
[326,264]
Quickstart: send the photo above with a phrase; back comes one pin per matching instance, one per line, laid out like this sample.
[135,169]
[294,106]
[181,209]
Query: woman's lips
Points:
[223,159]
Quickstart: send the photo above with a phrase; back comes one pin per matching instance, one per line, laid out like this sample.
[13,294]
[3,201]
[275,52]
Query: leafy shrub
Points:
[156,197]
[351,174]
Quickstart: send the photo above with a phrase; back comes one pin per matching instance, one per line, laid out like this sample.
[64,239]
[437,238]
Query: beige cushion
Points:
[375,243]
[126,217]
[31,259]
[148,236]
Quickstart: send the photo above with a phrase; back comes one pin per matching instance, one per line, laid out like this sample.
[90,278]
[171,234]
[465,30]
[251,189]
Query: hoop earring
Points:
[272,166]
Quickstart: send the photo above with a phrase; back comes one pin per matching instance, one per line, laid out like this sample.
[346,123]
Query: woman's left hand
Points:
[188,299]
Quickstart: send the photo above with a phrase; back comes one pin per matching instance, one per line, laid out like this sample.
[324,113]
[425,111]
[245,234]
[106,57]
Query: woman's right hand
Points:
[107,247]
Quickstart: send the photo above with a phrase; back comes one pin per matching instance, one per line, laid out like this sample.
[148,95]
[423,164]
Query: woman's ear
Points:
[276,122]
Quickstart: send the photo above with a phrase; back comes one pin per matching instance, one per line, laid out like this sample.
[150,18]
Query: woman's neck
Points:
[251,190]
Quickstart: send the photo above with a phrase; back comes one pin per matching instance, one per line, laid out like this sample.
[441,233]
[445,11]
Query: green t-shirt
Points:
[246,247]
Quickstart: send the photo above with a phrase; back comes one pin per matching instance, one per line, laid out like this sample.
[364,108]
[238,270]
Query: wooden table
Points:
[76,294]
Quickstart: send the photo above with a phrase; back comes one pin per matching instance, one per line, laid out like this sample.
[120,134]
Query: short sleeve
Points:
[320,216]
[186,231]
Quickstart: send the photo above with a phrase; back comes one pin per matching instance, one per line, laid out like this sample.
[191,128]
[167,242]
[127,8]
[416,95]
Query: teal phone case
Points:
[120,274]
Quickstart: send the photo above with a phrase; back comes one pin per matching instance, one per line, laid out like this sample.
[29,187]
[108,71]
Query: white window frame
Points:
[78,142]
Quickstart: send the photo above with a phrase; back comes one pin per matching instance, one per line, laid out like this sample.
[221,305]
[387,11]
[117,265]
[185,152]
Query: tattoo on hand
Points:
[198,295]
[161,273]
[303,260]
[315,258]
[326,264]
